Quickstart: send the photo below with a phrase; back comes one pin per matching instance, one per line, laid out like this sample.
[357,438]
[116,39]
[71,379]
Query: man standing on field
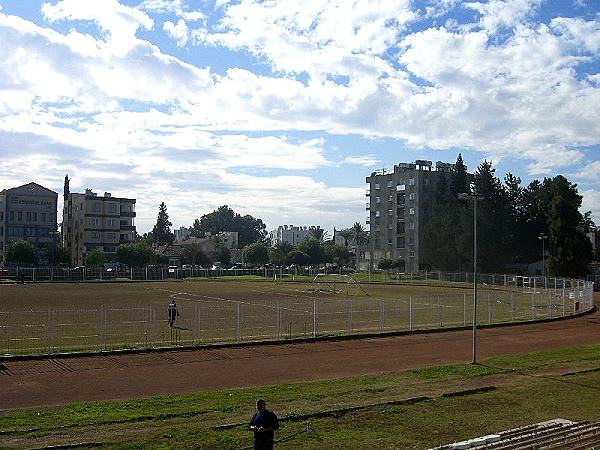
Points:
[263,423]
[173,313]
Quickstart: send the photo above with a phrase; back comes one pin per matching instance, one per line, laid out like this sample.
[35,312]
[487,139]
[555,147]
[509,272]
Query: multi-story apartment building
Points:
[289,233]
[28,212]
[91,221]
[181,234]
[398,206]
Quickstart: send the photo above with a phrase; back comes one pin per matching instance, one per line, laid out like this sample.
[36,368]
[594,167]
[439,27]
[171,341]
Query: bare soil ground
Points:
[48,382]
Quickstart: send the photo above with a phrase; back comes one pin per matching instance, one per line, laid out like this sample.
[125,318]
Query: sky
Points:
[281,108]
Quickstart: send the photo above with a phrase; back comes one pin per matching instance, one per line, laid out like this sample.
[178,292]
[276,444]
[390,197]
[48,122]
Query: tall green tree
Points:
[493,220]
[224,218]
[95,257]
[318,233]
[447,230]
[360,238]
[278,254]
[135,254]
[571,250]
[196,256]
[255,254]
[313,248]
[161,233]
[20,252]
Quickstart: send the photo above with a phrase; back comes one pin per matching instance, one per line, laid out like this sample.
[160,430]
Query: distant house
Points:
[178,255]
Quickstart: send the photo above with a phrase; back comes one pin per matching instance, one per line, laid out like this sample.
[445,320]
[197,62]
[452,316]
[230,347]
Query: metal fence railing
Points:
[502,299]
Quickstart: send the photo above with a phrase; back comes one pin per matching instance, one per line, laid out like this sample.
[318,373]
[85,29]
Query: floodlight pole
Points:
[475,198]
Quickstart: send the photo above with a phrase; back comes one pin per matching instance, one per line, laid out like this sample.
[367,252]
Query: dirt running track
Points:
[61,381]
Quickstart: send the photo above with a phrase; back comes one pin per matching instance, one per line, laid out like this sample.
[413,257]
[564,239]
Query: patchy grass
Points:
[185,421]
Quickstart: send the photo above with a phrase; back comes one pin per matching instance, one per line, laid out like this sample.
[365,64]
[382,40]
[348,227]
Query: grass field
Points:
[49,318]
[530,388]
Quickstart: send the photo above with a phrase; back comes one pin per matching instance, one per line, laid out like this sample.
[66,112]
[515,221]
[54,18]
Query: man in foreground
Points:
[263,423]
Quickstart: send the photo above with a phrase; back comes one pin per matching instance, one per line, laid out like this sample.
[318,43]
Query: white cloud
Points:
[497,14]
[591,171]
[362,160]
[119,22]
[179,32]
[591,202]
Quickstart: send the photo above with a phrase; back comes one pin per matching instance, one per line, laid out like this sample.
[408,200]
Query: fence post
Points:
[238,330]
[512,306]
[381,315]
[440,311]
[278,321]
[50,329]
[489,307]
[410,313]
[465,310]
[564,293]
[350,316]
[314,317]
[533,300]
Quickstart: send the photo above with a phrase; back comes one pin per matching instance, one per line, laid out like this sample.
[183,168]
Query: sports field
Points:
[59,317]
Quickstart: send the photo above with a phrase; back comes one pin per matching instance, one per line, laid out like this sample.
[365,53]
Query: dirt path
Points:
[53,381]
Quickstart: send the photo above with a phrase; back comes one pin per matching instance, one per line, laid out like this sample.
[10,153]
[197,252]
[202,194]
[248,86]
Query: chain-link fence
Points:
[501,299]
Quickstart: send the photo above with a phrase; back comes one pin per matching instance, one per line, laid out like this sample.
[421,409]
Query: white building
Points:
[181,234]
[289,233]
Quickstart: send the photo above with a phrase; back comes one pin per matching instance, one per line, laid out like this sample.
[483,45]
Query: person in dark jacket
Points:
[263,423]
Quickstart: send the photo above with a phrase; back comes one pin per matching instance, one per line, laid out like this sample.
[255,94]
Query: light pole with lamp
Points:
[475,198]
[542,237]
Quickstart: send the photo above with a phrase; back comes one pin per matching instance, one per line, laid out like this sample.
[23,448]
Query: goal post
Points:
[336,283]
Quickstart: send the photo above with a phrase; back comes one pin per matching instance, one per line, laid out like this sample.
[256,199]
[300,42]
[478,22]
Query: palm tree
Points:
[360,237]
[319,233]
[347,235]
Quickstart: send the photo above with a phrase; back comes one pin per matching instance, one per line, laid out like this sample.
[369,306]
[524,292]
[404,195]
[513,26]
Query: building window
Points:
[43,216]
[390,198]
[19,216]
[28,216]
[94,221]
[411,182]
[377,200]
[95,235]
[390,212]
[389,242]
[34,216]
[425,182]
[96,207]
[1,231]
[12,215]
[411,225]
[412,211]
[401,187]
[377,186]
[411,196]
[412,254]
[377,214]
[1,215]
[111,222]
[112,208]
[390,183]
[377,228]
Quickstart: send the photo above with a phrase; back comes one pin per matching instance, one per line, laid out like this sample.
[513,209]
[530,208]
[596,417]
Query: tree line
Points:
[512,219]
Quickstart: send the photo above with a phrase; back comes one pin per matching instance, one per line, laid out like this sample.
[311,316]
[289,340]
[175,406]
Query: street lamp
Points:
[475,198]
[542,237]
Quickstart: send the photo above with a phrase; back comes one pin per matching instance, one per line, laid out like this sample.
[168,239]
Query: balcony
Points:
[127,214]
[368,193]
[127,228]
[368,206]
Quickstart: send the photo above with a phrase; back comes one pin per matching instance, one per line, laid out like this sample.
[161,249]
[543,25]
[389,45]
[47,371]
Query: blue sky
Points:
[281,108]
